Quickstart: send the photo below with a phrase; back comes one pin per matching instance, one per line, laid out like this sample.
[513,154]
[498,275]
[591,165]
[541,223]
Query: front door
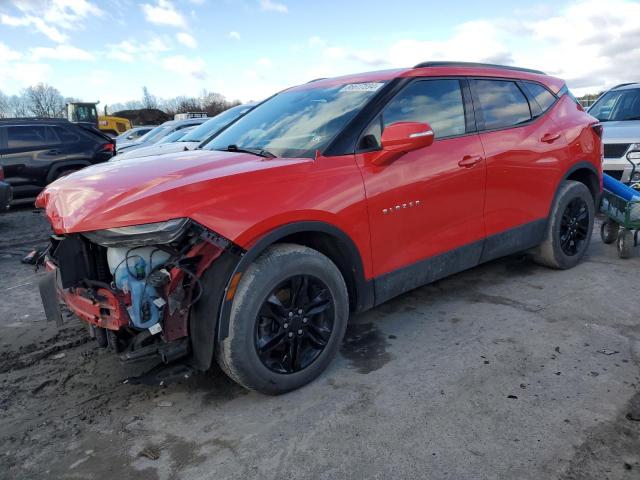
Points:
[425,208]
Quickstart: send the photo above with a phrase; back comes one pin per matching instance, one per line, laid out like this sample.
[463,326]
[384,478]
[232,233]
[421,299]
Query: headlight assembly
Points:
[139,235]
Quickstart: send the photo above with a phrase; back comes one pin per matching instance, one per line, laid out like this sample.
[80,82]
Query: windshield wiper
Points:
[253,151]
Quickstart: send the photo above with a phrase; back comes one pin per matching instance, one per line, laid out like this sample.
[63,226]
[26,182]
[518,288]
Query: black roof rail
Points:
[622,85]
[33,119]
[474,64]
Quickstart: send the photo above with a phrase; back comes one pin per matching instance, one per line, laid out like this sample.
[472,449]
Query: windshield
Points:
[617,105]
[210,127]
[155,134]
[175,136]
[297,123]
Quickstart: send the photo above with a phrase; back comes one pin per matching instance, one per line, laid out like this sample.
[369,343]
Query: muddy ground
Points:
[495,373]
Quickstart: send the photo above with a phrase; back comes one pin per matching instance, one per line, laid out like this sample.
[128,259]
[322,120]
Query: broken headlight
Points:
[138,235]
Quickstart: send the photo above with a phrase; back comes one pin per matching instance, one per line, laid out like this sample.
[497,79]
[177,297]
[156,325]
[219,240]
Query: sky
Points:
[107,50]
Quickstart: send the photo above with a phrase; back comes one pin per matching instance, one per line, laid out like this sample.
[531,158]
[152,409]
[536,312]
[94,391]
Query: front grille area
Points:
[78,259]
[615,150]
[617,174]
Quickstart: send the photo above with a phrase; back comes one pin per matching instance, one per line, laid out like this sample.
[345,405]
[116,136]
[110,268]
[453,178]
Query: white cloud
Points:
[8,55]
[270,5]
[316,42]
[193,67]
[61,52]
[265,62]
[128,52]
[52,17]
[234,35]
[163,13]
[187,40]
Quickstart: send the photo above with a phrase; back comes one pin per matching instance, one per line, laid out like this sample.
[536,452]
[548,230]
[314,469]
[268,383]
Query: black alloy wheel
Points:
[294,324]
[574,227]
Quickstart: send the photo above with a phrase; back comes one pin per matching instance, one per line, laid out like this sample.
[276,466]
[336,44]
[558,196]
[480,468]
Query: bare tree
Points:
[45,101]
[5,109]
[148,100]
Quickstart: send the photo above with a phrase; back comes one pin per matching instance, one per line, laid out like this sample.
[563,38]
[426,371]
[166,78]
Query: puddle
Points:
[365,347]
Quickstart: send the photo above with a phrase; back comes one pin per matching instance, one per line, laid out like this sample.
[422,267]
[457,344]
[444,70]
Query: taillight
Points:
[108,147]
[598,129]
[1,174]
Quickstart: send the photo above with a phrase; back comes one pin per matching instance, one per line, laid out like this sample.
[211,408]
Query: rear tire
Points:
[609,231]
[626,242]
[569,227]
[280,340]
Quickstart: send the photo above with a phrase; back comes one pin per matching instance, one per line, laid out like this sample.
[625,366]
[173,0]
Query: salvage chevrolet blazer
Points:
[328,198]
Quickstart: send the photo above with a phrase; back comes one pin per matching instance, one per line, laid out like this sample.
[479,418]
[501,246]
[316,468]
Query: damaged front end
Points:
[134,286]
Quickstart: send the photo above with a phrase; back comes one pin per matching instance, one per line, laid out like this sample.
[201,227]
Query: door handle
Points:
[550,137]
[469,161]
[52,152]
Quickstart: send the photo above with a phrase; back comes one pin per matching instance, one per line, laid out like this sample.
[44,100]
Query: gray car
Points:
[619,111]
[158,133]
[133,134]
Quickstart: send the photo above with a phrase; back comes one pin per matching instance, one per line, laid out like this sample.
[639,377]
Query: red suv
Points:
[328,198]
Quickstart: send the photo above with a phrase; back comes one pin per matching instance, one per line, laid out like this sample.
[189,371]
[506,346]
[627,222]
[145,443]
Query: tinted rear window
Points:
[503,104]
[541,95]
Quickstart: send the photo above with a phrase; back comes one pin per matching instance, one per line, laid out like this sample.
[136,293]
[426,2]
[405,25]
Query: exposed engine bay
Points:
[136,298]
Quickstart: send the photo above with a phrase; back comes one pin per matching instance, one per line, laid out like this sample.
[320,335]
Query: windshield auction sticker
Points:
[362,87]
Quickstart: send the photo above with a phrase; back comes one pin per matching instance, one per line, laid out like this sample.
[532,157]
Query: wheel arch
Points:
[585,173]
[323,237]
[62,166]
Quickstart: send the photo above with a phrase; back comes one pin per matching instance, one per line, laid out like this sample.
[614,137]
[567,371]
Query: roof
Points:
[442,69]
[33,120]
[626,86]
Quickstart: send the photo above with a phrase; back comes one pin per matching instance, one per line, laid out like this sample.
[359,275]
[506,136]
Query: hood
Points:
[173,147]
[152,189]
[627,131]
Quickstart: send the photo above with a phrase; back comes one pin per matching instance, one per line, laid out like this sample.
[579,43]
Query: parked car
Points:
[198,136]
[158,133]
[34,152]
[328,198]
[133,134]
[619,110]
[6,193]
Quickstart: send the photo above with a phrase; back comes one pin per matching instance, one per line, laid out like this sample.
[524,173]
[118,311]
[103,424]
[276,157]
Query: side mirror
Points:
[403,137]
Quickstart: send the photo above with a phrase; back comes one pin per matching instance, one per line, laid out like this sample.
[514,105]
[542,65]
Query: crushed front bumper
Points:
[98,306]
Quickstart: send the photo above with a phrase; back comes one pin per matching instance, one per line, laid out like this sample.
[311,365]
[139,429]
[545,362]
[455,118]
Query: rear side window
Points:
[541,95]
[437,102]
[502,103]
[26,136]
[64,135]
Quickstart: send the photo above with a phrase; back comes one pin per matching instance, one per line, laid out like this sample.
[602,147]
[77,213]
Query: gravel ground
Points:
[495,373]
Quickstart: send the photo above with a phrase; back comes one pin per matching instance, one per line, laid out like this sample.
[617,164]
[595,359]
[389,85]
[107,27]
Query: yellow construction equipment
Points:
[87,113]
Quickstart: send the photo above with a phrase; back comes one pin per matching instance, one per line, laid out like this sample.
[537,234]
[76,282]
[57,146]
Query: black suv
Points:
[34,152]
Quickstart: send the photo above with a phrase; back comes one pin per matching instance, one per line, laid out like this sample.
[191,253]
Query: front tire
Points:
[626,242]
[569,227]
[288,317]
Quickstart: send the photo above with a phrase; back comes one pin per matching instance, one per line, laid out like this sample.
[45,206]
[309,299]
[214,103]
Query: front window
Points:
[155,134]
[618,105]
[297,123]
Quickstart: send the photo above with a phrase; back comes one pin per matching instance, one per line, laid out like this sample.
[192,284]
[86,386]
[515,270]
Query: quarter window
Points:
[503,104]
[437,102]
[541,95]
[26,136]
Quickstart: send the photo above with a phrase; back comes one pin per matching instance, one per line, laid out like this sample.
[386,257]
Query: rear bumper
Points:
[99,306]
[6,196]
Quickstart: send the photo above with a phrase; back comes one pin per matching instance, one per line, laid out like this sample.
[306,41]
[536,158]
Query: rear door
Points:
[429,202]
[525,151]
[31,148]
